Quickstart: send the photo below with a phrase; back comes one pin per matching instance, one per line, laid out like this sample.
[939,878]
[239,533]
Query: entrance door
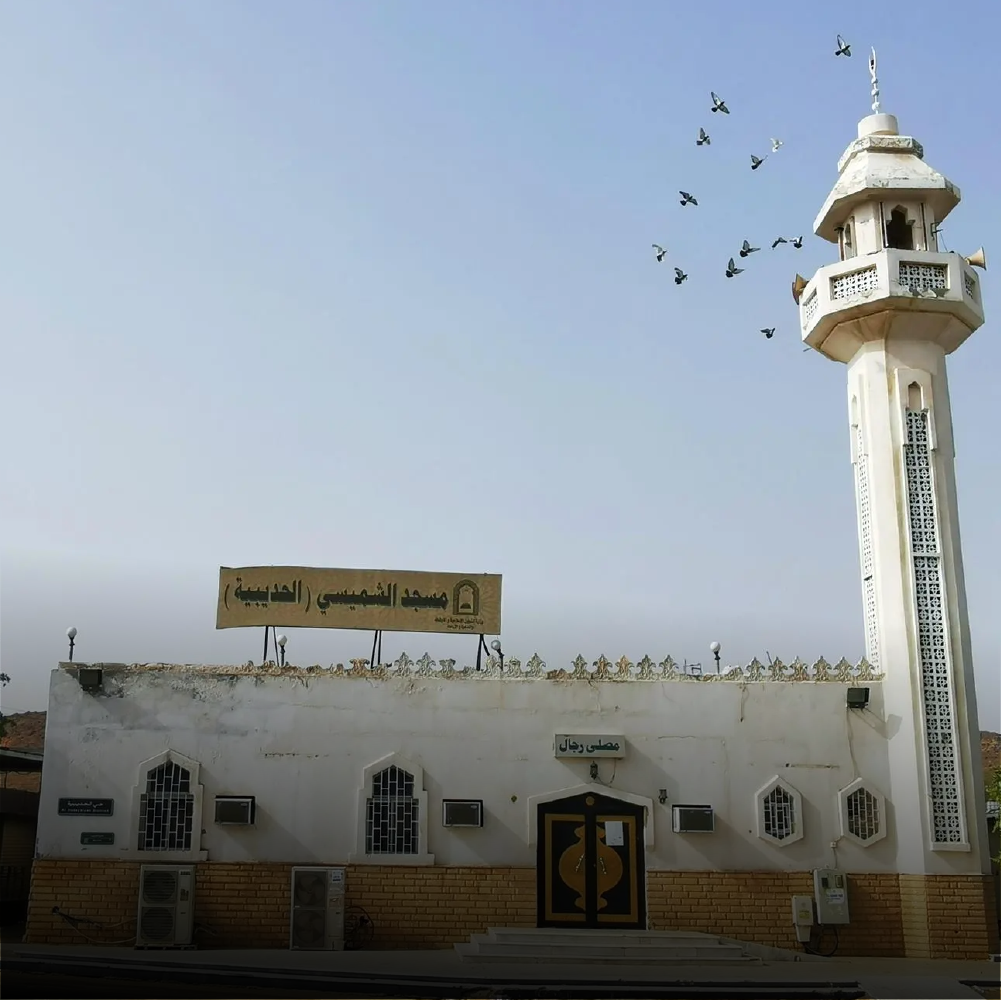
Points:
[590,866]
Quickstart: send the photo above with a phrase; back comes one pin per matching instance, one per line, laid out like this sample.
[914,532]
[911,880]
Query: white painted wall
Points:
[300,743]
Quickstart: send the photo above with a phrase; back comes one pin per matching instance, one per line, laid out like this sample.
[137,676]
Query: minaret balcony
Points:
[923,295]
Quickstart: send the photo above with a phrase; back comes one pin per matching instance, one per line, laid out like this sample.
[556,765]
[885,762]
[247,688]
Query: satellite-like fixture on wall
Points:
[978,259]
[857,697]
[71,635]
[90,678]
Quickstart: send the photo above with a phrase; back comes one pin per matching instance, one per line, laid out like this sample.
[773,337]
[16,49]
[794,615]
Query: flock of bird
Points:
[704,139]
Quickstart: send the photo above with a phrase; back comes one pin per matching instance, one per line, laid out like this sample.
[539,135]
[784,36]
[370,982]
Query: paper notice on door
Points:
[614,835]
[835,897]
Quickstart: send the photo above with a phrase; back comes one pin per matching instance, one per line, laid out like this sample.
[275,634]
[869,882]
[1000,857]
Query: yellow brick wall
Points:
[247,906]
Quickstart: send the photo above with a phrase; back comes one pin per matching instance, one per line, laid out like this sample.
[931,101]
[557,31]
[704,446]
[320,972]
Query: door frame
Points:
[603,791]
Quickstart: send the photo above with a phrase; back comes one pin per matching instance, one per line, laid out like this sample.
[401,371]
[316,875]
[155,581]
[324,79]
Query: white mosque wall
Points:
[300,742]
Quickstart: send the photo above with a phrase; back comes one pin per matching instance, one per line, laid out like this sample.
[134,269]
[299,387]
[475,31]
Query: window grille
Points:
[779,814]
[847,286]
[863,818]
[166,809]
[392,817]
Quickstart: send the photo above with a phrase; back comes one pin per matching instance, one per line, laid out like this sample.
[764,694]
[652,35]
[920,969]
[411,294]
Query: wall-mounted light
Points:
[662,796]
[857,697]
[281,640]
[496,647]
[90,678]
[71,635]
[594,770]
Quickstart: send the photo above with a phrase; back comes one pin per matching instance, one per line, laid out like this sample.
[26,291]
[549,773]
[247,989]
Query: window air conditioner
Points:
[317,921]
[166,906]
[693,819]
[235,810]
[462,812]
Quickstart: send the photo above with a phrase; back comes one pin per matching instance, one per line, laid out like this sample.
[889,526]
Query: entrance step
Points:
[601,947]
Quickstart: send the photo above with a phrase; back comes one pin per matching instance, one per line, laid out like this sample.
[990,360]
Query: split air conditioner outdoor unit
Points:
[462,812]
[317,922]
[166,906]
[693,819]
[235,810]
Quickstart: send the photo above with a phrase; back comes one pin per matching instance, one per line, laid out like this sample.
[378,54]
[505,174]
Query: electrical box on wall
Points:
[802,917]
[830,893]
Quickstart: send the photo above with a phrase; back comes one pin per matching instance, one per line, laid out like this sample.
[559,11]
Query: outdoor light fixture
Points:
[90,678]
[714,649]
[594,770]
[71,635]
[281,640]
[496,647]
[662,797]
[857,697]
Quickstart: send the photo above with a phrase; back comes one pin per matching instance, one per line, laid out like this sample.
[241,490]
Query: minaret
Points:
[891,309]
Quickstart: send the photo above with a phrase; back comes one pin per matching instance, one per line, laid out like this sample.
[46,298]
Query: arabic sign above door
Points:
[589,746]
[384,600]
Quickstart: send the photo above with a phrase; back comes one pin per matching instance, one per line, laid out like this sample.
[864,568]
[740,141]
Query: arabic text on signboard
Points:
[380,600]
[86,807]
[589,746]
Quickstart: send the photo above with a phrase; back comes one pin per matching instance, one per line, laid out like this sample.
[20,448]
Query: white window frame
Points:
[843,795]
[797,816]
[366,792]
[139,789]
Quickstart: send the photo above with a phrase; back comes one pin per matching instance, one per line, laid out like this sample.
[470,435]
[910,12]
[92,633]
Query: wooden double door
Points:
[590,865]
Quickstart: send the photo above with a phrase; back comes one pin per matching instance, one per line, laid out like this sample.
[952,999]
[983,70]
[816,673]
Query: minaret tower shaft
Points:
[892,309]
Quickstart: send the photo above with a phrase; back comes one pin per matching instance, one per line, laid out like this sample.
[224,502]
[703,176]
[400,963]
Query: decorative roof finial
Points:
[875,83]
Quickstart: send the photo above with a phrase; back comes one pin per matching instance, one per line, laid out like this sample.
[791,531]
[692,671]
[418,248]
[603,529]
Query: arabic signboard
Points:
[86,807]
[97,839]
[589,746]
[376,600]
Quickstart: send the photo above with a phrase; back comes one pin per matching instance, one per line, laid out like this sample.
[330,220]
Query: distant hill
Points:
[24,731]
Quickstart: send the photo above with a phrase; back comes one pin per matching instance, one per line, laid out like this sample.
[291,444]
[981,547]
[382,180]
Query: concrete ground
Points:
[443,973]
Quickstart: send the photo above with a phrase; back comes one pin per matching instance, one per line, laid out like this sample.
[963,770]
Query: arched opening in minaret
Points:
[899,232]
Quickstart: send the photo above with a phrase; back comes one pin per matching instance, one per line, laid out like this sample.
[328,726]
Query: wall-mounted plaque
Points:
[86,807]
[97,839]
[567,745]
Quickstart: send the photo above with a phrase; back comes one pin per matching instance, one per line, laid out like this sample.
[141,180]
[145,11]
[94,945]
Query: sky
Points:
[370,284]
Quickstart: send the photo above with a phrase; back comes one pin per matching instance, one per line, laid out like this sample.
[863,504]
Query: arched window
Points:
[779,809]
[899,231]
[167,807]
[393,814]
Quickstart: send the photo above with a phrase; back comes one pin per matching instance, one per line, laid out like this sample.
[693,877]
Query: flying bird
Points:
[718,104]
[798,287]
[776,143]
[687,199]
[660,251]
[844,49]
[703,139]
[756,162]
[679,276]
[798,242]
[780,239]
[768,331]
[732,269]
[748,249]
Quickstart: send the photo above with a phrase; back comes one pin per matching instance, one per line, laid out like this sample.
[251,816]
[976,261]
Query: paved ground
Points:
[112,972]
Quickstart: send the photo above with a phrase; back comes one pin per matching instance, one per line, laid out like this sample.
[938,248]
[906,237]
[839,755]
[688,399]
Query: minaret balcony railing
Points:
[902,281]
